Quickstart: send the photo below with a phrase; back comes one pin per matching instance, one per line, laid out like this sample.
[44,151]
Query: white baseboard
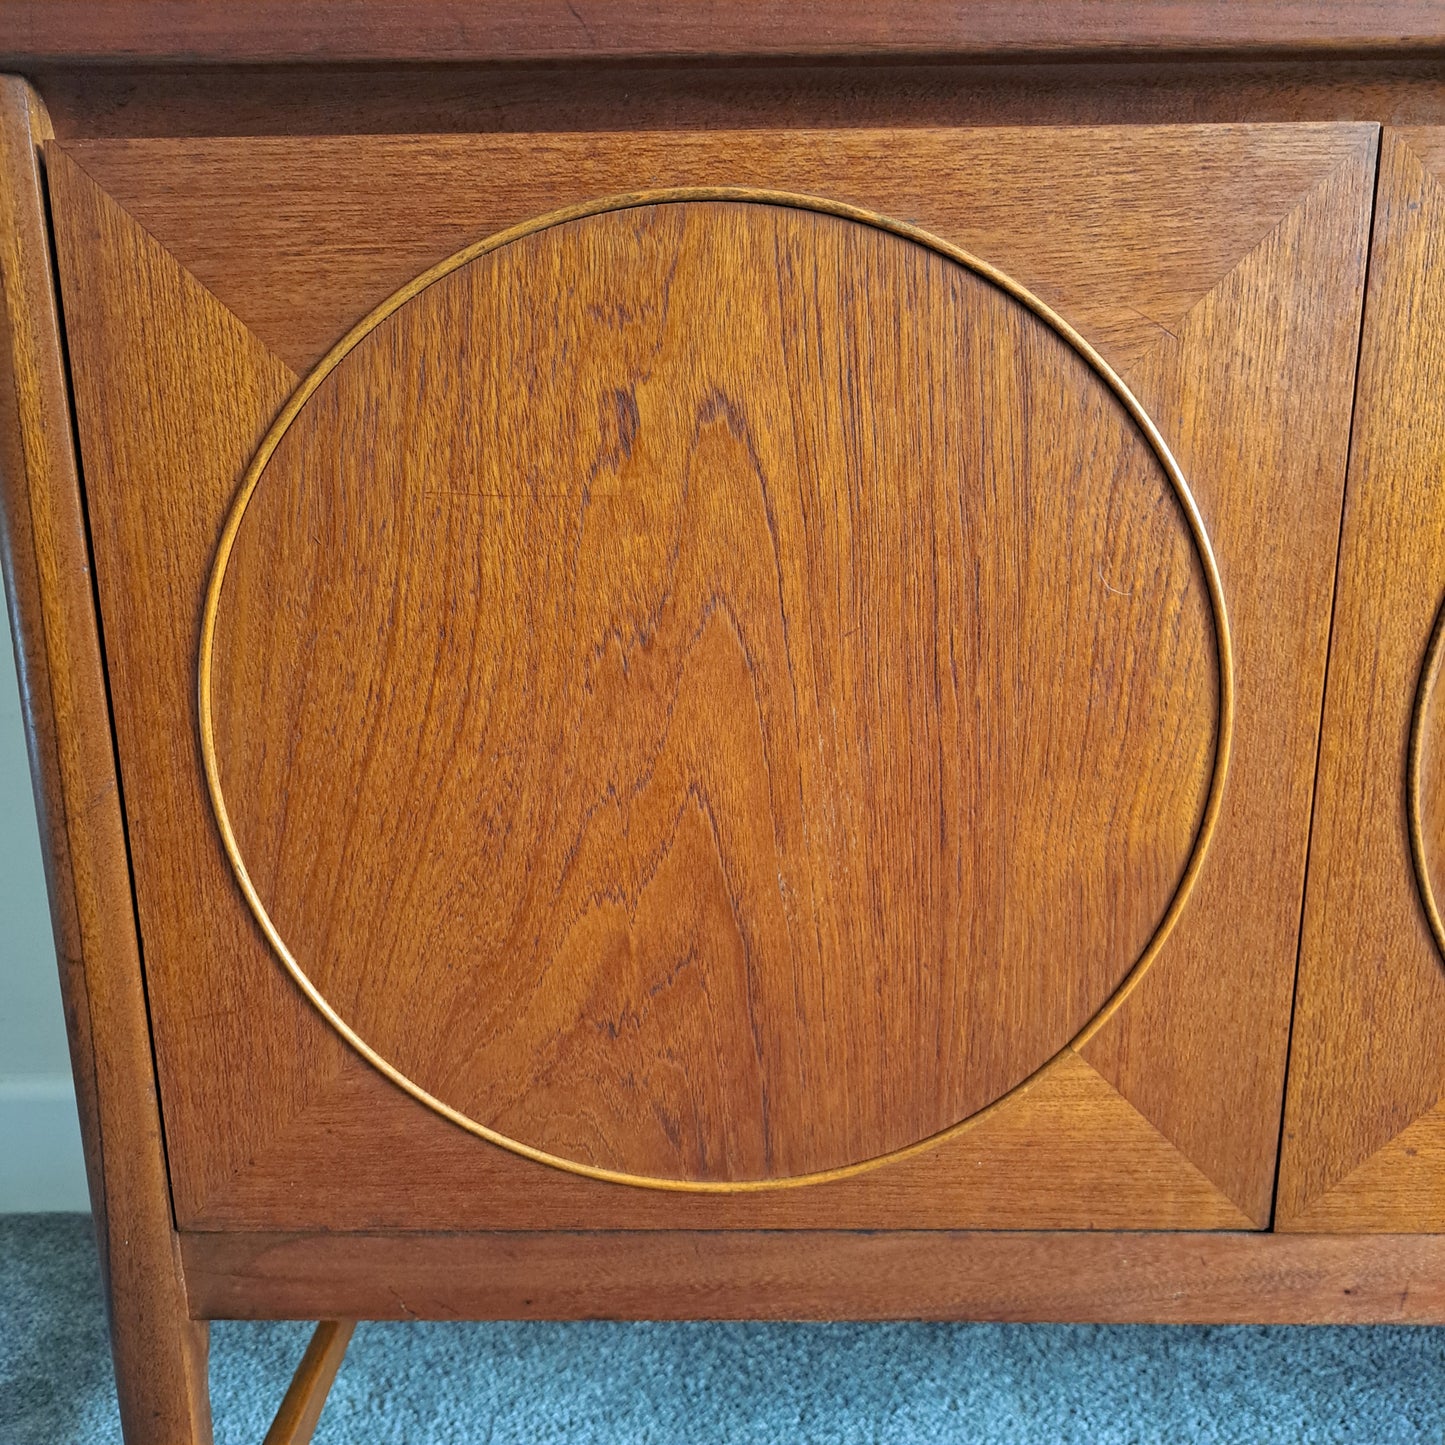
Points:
[42,1169]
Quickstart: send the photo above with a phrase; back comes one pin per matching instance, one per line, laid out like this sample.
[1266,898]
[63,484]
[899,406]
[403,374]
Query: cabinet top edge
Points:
[199,32]
[1346,134]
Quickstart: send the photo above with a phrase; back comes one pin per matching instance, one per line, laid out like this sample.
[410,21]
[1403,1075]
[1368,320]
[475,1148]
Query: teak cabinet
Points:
[812,702]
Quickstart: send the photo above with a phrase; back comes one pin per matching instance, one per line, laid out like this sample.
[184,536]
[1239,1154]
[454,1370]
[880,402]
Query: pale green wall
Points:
[40,1160]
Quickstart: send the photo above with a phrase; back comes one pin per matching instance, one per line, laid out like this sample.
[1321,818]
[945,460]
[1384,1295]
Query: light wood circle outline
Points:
[1429,675]
[631,200]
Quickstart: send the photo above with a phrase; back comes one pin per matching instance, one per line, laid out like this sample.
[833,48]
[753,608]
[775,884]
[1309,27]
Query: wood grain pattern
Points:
[283,233]
[95,102]
[202,392]
[1265,321]
[597,743]
[187,31]
[1396,1190]
[160,1355]
[1285,204]
[1369,1052]
[1064,1152]
[1164,1278]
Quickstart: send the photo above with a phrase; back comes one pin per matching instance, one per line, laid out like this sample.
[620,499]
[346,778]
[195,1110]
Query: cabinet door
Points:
[789,699]
[1364,1143]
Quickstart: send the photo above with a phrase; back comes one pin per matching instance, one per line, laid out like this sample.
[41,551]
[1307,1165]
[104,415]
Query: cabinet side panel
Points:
[159,1352]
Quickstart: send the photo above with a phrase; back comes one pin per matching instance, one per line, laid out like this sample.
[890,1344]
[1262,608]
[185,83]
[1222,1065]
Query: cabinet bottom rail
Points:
[1183,1278]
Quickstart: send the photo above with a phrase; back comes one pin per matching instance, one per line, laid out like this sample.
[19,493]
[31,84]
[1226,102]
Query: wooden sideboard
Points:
[780,671]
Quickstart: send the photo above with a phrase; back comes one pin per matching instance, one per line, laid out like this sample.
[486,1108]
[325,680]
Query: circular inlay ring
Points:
[988,273]
[1429,674]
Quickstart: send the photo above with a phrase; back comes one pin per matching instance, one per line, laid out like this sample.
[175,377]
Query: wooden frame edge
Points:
[160,1353]
[1062,1277]
[258,31]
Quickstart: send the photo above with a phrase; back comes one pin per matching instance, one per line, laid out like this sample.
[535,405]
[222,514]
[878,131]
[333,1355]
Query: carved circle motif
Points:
[1427,734]
[336,1011]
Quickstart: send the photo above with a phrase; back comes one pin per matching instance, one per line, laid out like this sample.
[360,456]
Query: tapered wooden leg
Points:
[301,1409]
[161,1375]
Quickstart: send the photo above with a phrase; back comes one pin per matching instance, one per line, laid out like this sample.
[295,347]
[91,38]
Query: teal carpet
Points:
[596,1384]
